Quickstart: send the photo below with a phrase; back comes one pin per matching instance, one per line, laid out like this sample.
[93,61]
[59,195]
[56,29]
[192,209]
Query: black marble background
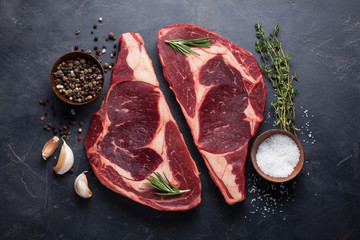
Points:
[321,203]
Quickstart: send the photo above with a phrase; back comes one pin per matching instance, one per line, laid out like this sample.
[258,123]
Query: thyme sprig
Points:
[181,45]
[164,185]
[277,70]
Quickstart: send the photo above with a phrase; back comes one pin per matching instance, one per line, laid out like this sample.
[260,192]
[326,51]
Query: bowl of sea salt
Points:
[277,155]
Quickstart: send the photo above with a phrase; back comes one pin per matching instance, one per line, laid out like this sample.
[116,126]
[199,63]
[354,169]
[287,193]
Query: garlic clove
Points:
[50,147]
[81,186]
[66,159]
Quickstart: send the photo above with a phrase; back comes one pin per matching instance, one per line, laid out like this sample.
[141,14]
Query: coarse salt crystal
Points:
[278,155]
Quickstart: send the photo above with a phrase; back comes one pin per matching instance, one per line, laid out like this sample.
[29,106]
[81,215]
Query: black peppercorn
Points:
[111,35]
[96,38]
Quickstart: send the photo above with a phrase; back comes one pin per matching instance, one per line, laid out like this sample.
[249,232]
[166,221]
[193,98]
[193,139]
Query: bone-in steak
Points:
[222,95]
[133,133]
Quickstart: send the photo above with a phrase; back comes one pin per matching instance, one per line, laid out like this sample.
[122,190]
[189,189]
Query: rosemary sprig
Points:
[159,183]
[181,45]
[277,70]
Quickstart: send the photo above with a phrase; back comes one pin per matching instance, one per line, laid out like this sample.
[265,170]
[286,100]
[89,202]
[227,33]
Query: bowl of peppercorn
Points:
[77,78]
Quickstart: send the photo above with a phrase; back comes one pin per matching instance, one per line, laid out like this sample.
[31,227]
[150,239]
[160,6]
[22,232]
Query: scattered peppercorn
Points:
[91,32]
[82,50]
[111,36]
[81,123]
[95,26]
[100,19]
[79,130]
[96,38]
[106,38]
[88,51]
[115,46]
[95,47]
[79,138]
[77,32]
[76,47]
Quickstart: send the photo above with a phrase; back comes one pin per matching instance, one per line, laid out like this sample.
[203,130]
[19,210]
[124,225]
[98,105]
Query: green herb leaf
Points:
[277,70]
[181,45]
[164,185]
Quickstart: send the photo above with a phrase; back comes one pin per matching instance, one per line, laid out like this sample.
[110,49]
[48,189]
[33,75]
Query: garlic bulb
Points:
[66,159]
[81,186]
[50,147]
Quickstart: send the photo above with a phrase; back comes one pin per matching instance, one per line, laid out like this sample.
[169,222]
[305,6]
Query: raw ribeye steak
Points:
[222,95]
[134,134]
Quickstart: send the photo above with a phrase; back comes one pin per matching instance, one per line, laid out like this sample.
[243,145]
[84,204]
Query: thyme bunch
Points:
[276,68]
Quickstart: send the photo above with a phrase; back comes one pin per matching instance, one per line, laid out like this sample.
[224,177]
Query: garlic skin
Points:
[81,186]
[65,161]
[50,147]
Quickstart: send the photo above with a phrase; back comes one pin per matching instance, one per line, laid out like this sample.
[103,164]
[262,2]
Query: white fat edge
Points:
[223,171]
[251,117]
[163,32]
[138,60]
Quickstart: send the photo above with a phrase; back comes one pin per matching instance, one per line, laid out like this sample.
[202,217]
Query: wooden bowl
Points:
[69,56]
[264,136]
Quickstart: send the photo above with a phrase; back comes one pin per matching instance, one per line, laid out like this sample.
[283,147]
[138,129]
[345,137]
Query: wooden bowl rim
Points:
[73,55]
[264,136]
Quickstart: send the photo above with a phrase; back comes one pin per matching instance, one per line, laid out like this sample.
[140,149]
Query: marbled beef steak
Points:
[222,95]
[133,133]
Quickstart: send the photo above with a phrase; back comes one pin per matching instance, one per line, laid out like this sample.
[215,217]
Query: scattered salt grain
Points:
[278,155]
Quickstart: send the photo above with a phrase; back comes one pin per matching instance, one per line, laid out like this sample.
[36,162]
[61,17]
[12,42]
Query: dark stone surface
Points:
[323,202]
